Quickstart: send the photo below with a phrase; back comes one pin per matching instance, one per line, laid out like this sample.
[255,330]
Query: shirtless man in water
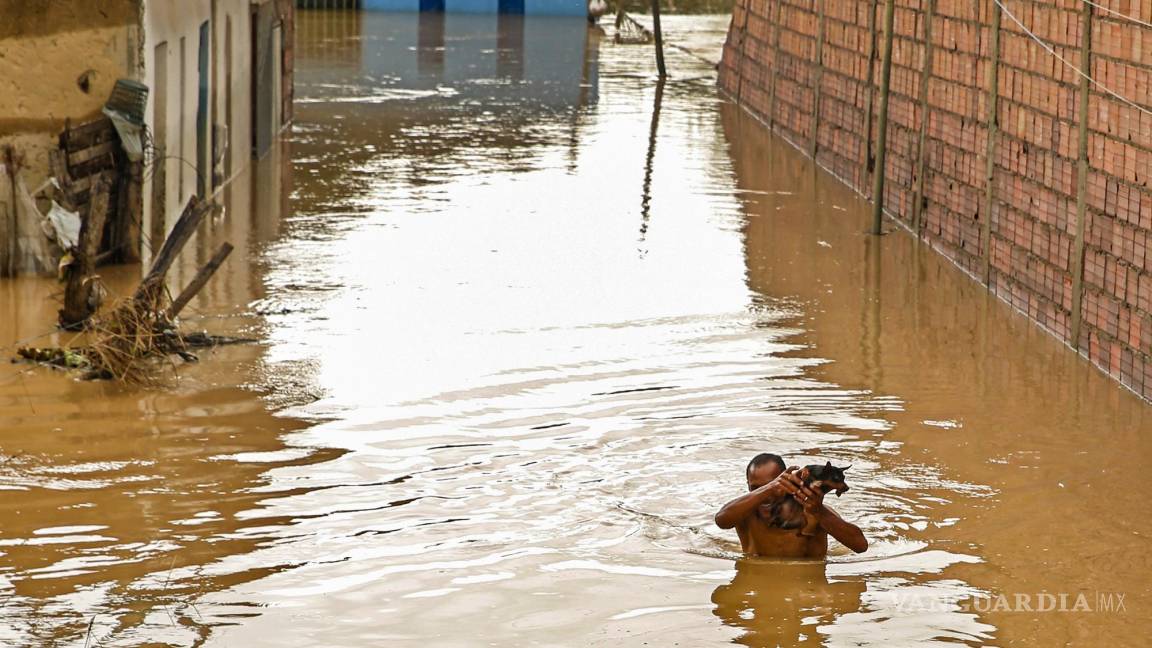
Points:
[768,481]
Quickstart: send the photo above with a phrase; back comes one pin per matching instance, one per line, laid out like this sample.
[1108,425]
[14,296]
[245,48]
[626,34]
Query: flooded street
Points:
[523,316]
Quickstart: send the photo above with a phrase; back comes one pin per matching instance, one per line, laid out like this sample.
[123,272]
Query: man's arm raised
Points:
[847,533]
[735,511]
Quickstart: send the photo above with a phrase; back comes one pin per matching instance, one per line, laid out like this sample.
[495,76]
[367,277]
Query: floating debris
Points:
[127,341]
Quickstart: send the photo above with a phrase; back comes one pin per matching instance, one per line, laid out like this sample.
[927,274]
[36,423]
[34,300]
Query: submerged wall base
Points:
[1059,230]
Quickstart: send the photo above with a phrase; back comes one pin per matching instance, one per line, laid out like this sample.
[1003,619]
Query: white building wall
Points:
[168,24]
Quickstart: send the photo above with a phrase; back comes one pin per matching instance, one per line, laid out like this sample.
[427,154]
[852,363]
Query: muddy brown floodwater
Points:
[523,318]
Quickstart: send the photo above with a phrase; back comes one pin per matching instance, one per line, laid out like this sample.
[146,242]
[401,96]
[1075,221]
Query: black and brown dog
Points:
[788,512]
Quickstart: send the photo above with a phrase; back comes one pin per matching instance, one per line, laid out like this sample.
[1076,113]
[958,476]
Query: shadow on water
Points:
[782,604]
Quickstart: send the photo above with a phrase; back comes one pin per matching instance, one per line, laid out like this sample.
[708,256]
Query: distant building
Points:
[219,80]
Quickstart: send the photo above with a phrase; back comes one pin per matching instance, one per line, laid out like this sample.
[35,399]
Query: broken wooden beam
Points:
[202,276]
[194,212]
[129,212]
[82,294]
[8,216]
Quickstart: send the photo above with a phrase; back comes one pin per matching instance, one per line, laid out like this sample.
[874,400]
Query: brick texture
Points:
[771,63]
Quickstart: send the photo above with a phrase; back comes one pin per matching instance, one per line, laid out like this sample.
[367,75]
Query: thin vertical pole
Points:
[882,127]
[6,239]
[775,63]
[7,219]
[743,51]
[818,81]
[10,229]
[993,128]
[1081,178]
[869,84]
[650,160]
[921,156]
[659,39]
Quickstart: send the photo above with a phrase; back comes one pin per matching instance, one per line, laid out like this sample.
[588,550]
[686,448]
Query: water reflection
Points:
[783,604]
[560,465]
[110,489]
[649,161]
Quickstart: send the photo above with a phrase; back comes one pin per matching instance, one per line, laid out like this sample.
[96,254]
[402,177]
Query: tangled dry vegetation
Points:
[134,331]
[131,339]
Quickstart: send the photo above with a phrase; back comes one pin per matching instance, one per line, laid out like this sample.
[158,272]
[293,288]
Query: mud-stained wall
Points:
[810,69]
[44,17]
[58,62]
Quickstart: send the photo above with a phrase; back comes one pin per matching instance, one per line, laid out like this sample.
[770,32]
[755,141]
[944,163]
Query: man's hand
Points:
[812,499]
[786,483]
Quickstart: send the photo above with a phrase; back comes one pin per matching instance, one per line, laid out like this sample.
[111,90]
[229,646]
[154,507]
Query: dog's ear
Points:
[828,465]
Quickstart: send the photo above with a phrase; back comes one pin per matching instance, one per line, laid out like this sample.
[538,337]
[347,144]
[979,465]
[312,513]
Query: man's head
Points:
[763,468]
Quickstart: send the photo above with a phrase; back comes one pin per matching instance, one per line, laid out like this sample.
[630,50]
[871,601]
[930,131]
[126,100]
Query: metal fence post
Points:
[818,81]
[993,128]
[921,156]
[1081,178]
[659,39]
[882,127]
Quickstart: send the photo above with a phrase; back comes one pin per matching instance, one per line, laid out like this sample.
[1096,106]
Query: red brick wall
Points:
[775,67]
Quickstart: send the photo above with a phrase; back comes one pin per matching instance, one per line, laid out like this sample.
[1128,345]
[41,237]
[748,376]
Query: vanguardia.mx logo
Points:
[1098,602]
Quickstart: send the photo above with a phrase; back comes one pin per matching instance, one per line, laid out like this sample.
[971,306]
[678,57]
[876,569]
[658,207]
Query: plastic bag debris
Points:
[66,225]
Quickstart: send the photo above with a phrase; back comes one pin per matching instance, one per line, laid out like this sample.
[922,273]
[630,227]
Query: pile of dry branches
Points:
[129,340]
[134,331]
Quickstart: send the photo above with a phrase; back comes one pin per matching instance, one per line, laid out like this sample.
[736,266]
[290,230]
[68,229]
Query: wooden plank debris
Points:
[202,276]
[82,292]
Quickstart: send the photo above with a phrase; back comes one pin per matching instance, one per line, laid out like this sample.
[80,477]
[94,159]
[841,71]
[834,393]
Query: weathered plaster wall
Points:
[46,48]
[810,70]
[174,26]
[48,17]
[40,76]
